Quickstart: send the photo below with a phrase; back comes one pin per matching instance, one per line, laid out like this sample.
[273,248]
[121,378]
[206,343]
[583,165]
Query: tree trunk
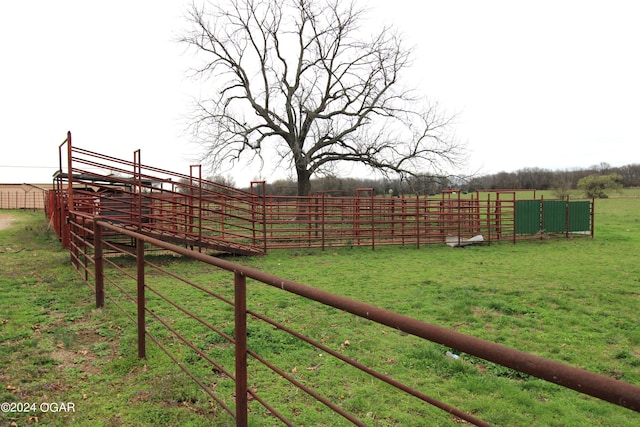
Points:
[304,181]
[304,188]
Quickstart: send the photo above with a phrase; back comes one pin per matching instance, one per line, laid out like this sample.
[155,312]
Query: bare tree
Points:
[531,178]
[297,80]
[630,174]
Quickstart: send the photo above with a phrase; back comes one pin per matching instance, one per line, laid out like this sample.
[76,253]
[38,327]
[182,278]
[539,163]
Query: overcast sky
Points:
[550,84]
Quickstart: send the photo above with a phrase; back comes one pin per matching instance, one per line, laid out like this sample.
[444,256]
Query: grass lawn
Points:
[576,301]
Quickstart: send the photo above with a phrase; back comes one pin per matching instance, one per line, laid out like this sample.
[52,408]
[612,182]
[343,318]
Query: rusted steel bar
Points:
[200,196]
[202,354]
[513,210]
[191,201]
[188,343]
[489,218]
[323,218]
[459,217]
[142,353]
[604,388]
[180,365]
[614,391]
[309,390]
[84,249]
[69,173]
[403,216]
[309,218]
[240,294]
[567,207]
[542,217]
[592,214]
[452,410]
[373,221]
[418,221]
[263,204]
[74,253]
[137,190]
[98,264]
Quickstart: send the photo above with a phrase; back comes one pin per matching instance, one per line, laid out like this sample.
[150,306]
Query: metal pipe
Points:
[98,264]
[140,300]
[69,173]
[240,293]
[608,389]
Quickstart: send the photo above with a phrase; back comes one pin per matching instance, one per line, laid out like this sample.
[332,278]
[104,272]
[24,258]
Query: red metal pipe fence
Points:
[88,245]
[28,197]
[185,209]
[191,211]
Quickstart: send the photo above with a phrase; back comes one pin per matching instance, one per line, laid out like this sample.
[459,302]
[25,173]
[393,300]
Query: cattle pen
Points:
[104,208]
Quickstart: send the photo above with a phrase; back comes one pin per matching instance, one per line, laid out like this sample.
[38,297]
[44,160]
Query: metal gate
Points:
[554,216]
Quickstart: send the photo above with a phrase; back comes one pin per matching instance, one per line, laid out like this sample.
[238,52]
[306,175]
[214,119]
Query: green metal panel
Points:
[554,216]
[527,216]
[580,216]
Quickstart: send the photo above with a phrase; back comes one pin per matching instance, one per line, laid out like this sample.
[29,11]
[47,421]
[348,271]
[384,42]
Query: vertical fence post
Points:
[498,217]
[200,196]
[99,264]
[85,249]
[141,304]
[417,221]
[323,217]
[460,218]
[189,209]
[488,217]
[403,217]
[542,217]
[264,217]
[73,252]
[513,215]
[240,285]
[69,173]
[592,214]
[372,211]
[567,217]
[137,179]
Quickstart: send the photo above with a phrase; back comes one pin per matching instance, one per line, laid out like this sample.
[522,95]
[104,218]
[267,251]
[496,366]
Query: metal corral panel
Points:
[579,216]
[554,216]
[527,216]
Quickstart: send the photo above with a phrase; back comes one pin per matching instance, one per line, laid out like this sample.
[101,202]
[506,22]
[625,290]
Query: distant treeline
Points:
[527,178]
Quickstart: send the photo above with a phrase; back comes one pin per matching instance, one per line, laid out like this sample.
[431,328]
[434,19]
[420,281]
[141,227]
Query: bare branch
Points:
[300,77]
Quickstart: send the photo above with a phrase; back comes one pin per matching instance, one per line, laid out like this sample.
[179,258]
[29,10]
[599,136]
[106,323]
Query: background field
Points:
[576,301]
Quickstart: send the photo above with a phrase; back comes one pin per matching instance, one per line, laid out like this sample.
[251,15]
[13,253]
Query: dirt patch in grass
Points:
[5,221]
[82,356]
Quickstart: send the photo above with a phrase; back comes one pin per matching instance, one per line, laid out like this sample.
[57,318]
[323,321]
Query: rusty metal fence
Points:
[368,220]
[365,219]
[191,211]
[183,209]
[94,256]
[22,197]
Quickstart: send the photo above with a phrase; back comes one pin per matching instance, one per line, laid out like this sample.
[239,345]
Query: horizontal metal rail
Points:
[189,210]
[22,199]
[610,390]
[183,208]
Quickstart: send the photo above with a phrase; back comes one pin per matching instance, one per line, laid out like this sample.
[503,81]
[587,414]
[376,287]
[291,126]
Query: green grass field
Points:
[576,301]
